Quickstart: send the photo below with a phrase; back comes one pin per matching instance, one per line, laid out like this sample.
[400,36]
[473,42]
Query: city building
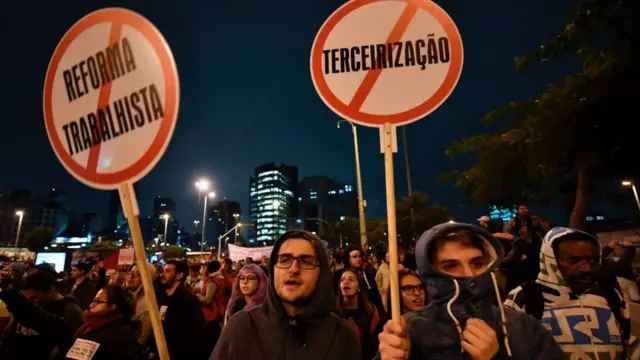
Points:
[223,216]
[23,210]
[165,207]
[273,202]
[116,221]
[89,224]
[322,200]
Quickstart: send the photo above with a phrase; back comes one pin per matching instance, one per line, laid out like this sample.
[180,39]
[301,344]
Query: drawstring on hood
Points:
[463,297]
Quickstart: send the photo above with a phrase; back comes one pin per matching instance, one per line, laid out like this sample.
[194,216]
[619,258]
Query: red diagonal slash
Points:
[103,99]
[372,75]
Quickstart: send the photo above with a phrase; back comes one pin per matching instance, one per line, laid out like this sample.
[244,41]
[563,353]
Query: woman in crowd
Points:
[249,290]
[106,331]
[354,306]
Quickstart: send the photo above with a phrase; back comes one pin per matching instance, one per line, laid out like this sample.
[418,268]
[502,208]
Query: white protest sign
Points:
[237,253]
[111,98]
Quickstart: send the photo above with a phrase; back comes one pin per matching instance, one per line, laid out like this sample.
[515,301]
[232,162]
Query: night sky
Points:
[247,97]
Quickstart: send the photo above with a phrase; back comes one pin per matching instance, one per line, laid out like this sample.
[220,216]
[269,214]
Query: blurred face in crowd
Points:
[413,293]
[349,284]
[193,273]
[204,270]
[248,283]
[169,277]
[76,273]
[523,210]
[579,262]
[458,258]
[100,302]
[134,280]
[296,272]
[265,261]
[39,297]
[355,259]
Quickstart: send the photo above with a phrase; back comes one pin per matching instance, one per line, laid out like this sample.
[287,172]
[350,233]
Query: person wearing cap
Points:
[587,316]
[465,319]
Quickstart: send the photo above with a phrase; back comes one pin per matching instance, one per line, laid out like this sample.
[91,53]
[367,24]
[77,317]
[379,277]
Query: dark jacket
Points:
[117,342]
[185,329]
[36,331]
[266,332]
[85,292]
[433,333]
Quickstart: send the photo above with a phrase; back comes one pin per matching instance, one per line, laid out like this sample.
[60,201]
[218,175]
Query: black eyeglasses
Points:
[412,289]
[307,262]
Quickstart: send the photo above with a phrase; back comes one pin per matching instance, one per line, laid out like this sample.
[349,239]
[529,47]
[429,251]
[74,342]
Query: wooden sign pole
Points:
[131,212]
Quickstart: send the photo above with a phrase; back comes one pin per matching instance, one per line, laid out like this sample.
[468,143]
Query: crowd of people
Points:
[522,292]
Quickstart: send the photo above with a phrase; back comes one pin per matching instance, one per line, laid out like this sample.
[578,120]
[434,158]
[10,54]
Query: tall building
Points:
[273,201]
[223,216]
[116,220]
[46,211]
[320,197]
[165,206]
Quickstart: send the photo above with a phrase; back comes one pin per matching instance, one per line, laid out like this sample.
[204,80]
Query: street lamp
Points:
[630,184]
[20,215]
[204,218]
[166,224]
[222,237]
[202,185]
[236,216]
[363,222]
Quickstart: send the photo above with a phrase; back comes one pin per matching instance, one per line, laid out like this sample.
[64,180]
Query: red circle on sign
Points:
[405,117]
[147,161]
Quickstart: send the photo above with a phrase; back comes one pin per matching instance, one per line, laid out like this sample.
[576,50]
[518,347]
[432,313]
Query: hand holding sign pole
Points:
[111,98]
[387,63]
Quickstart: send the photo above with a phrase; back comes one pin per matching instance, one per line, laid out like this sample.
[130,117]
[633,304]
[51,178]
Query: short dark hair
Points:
[228,261]
[213,266]
[194,267]
[40,281]
[181,268]
[464,238]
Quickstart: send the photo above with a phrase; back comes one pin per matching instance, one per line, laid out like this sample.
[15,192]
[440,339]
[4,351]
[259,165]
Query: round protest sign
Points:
[386,61]
[111,98]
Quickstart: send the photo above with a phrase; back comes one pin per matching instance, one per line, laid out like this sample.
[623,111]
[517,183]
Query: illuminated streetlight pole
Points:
[361,203]
[20,215]
[204,218]
[166,225]
[237,218]
[223,236]
[630,184]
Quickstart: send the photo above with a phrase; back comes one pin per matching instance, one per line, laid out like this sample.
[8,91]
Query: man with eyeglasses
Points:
[587,317]
[295,322]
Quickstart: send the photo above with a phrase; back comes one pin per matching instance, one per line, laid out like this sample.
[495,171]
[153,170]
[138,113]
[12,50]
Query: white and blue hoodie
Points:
[583,325]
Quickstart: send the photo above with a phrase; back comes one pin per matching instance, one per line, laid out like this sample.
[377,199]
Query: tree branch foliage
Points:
[587,122]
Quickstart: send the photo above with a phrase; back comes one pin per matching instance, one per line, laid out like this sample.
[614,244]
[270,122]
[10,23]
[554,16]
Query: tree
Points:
[39,238]
[173,252]
[414,216]
[576,134]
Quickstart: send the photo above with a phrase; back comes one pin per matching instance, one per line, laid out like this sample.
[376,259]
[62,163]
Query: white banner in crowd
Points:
[240,253]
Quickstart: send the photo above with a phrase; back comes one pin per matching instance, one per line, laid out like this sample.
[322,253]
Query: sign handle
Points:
[131,212]
[389,137]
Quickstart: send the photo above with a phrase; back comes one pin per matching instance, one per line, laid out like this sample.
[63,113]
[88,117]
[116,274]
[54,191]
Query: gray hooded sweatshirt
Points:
[433,330]
[266,332]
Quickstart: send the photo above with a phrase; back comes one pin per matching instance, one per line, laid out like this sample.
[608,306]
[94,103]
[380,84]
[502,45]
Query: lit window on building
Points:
[348,188]
[342,218]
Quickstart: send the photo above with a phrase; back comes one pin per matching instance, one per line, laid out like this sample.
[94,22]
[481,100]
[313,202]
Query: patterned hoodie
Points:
[584,326]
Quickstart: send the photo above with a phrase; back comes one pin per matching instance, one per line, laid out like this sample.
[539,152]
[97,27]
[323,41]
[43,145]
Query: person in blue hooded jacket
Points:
[466,319]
